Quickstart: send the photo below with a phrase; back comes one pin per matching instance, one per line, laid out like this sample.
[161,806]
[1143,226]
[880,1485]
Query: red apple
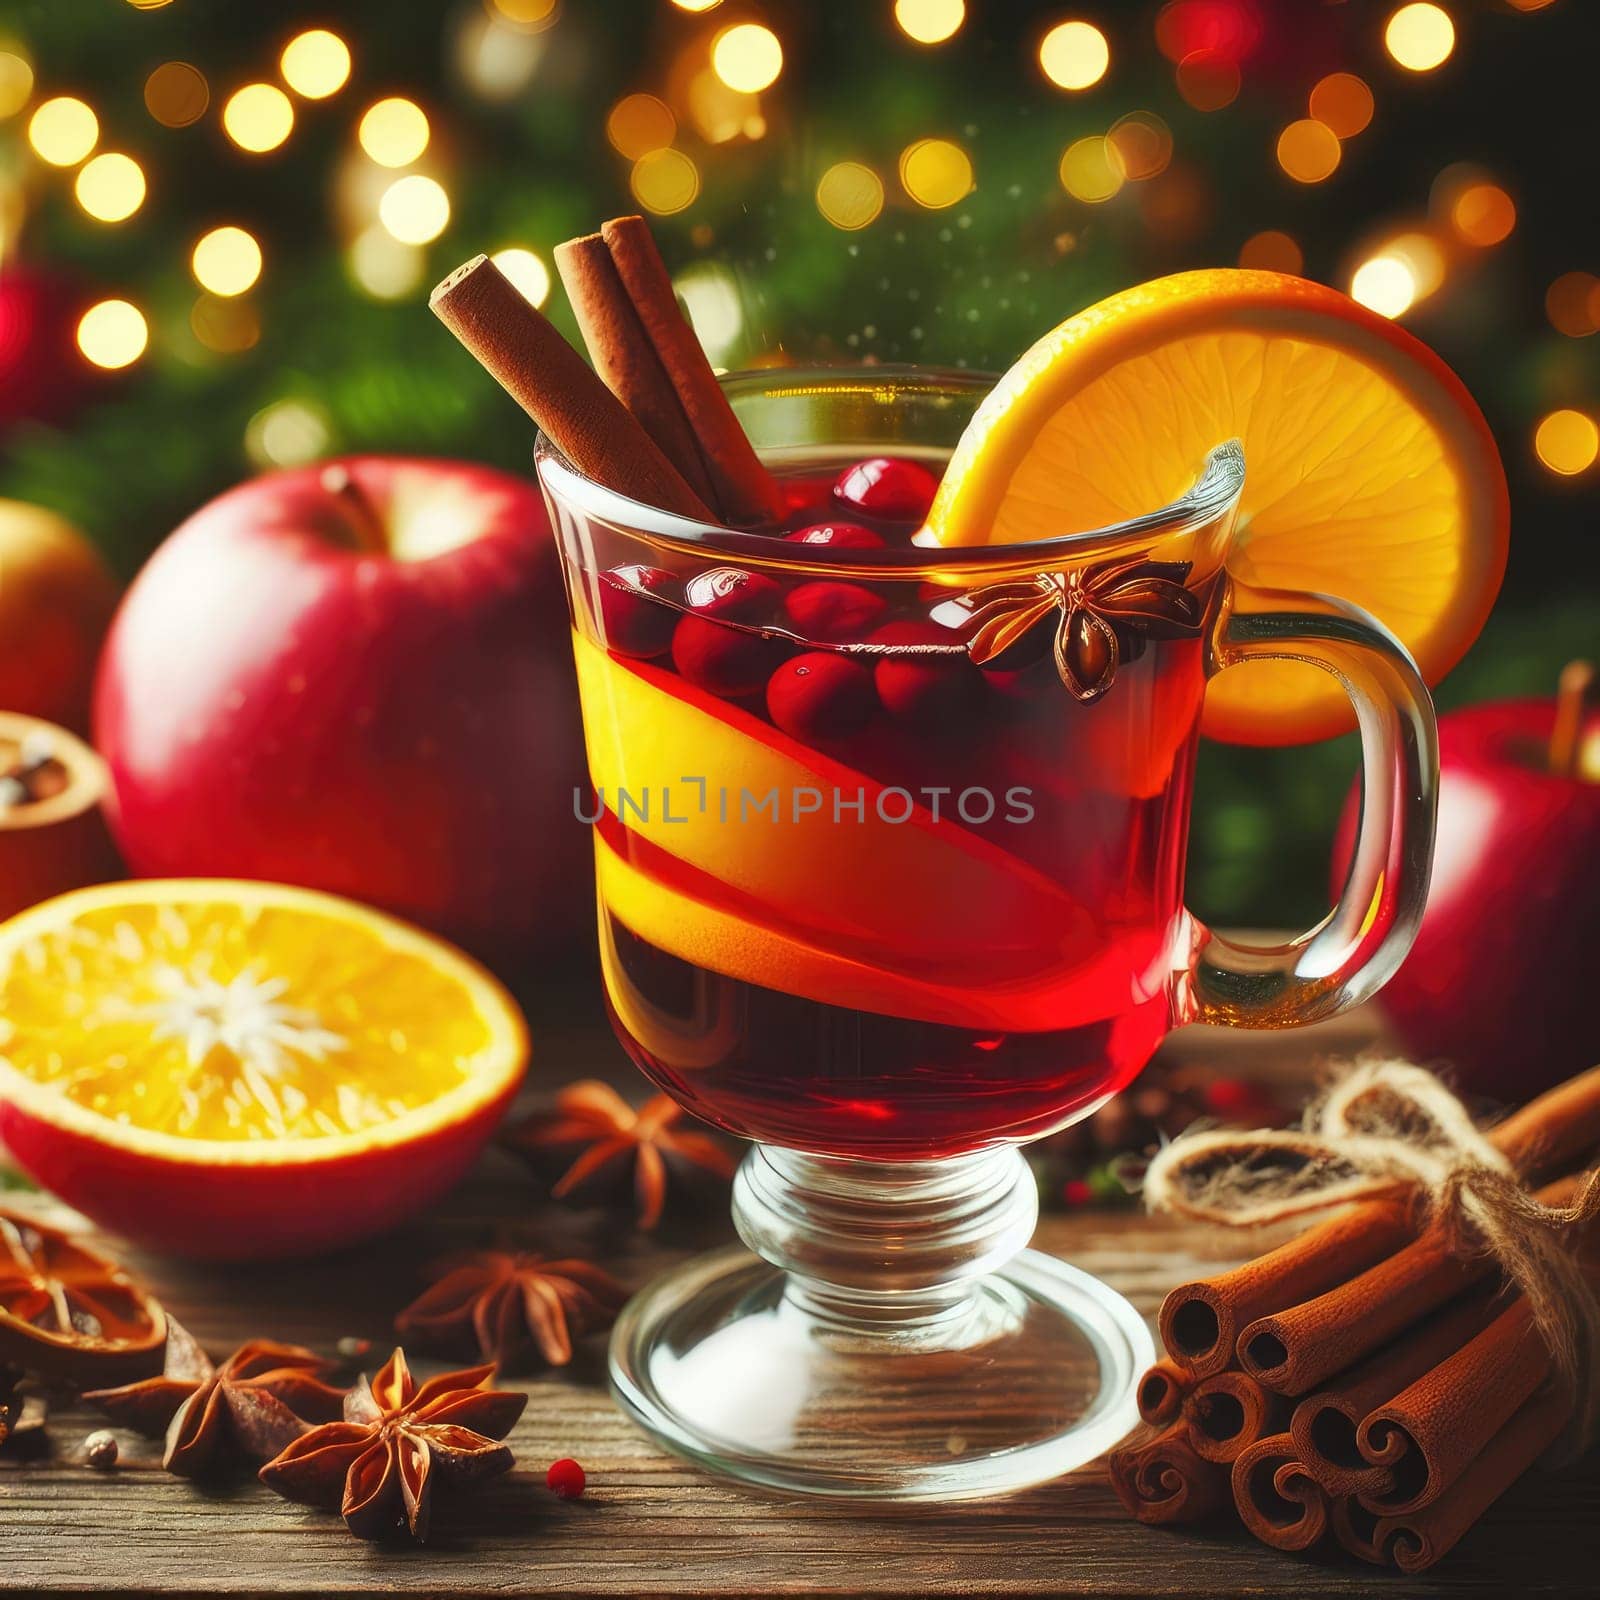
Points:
[357,677]
[1499,985]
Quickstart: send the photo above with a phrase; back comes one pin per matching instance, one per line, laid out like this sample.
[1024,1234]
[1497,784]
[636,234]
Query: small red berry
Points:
[1076,1192]
[731,594]
[930,691]
[724,661]
[633,621]
[833,612]
[566,1478]
[820,697]
[887,486]
[838,536]
[1230,1097]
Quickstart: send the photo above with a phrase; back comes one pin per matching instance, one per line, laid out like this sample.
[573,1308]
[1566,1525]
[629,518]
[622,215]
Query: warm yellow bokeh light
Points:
[16,82]
[747,57]
[258,117]
[394,132]
[1208,80]
[227,261]
[1272,251]
[176,94]
[696,5]
[1572,304]
[149,5]
[532,16]
[1420,36]
[1530,5]
[1308,150]
[113,334]
[1091,170]
[63,131]
[110,187]
[527,272]
[1143,144]
[1074,55]
[718,112]
[1344,102]
[288,433]
[1483,214]
[935,173]
[1384,284]
[1420,255]
[930,21]
[315,63]
[1567,442]
[665,181]
[850,195]
[385,268]
[640,123]
[224,325]
[416,210]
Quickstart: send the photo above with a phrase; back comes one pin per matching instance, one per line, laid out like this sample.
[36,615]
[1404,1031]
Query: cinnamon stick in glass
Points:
[1161,1479]
[1228,1412]
[1276,1497]
[530,360]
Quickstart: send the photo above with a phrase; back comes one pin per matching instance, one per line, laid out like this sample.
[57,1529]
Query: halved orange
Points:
[230,1070]
[1370,474]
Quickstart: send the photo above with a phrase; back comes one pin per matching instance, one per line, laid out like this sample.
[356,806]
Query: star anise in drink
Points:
[1104,613]
[593,1116]
[398,1442]
[213,1418]
[498,1304]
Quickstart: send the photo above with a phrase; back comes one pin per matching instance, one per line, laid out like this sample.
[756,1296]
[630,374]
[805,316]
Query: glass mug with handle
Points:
[890,848]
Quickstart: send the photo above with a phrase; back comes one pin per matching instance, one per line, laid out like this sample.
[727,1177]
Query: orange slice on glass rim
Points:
[1370,473]
[231,1070]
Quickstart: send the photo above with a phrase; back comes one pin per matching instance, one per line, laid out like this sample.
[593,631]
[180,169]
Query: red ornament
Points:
[566,1479]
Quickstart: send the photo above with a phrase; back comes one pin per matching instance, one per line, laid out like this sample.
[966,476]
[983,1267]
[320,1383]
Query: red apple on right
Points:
[1502,987]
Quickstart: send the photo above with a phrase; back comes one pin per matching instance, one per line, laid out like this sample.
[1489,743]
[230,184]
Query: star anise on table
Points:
[593,1115]
[499,1303]
[246,1410]
[399,1440]
[1106,611]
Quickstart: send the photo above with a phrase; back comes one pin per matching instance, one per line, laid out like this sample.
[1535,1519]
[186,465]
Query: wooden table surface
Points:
[651,1524]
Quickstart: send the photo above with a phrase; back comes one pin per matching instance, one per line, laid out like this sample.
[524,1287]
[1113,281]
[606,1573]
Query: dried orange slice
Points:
[241,1069]
[1370,474]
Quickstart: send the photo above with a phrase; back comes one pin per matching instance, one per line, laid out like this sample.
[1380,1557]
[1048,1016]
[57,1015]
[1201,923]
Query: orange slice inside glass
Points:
[1371,474]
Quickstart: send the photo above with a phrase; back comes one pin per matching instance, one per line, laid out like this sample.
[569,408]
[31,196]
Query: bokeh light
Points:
[494,58]
[710,295]
[929,21]
[415,209]
[640,123]
[1420,36]
[1422,258]
[63,131]
[1272,251]
[1090,170]
[747,57]
[315,63]
[149,5]
[1530,5]
[1572,304]
[394,131]
[1567,442]
[113,334]
[176,94]
[1483,214]
[1074,55]
[226,261]
[1344,102]
[226,326]
[664,181]
[16,82]
[530,15]
[1208,80]
[720,113]
[527,272]
[258,117]
[1230,29]
[110,187]
[850,195]
[288,433]
[696,5]
[935,173]
[385,268]
[1384,284]
[1143,144]
[1308,150]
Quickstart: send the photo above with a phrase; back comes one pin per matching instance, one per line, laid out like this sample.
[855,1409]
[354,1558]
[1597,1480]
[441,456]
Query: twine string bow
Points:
[1385,1128]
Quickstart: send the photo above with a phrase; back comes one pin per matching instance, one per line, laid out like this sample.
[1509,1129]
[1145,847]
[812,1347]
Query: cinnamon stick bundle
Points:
[1228,1412]
[643,347]
[1161,1393]
[1159,1478]
[1277,1499]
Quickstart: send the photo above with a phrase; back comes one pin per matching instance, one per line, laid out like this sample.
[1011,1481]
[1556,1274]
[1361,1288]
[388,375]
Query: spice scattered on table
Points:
[566,1479]
[100,1450]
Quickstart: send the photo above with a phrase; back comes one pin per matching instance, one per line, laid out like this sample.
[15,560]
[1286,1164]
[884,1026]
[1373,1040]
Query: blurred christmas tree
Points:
[254,200]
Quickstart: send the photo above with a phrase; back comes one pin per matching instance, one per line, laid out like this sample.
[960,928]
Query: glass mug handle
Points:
[1356,948]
